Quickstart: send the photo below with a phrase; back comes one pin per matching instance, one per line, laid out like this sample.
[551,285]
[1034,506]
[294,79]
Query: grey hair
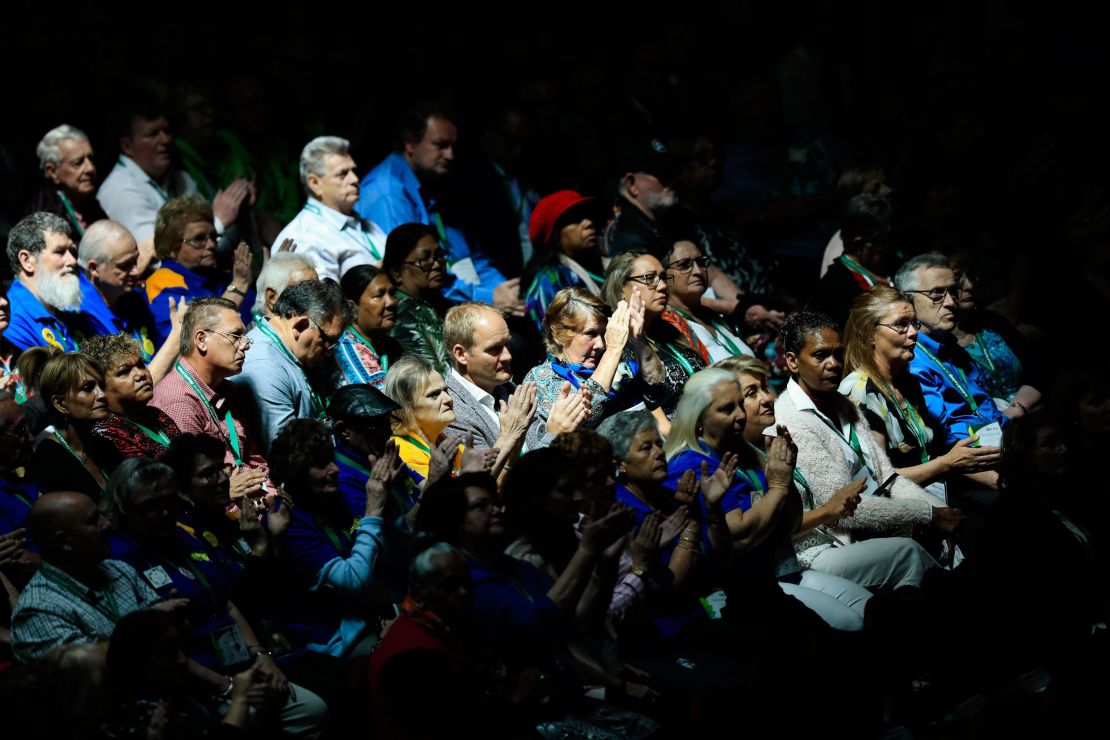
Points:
[275,274]
[620,428]
[616,275]
[319,300]
[314,152]
[696,397]
[29,235]
[48,150]
[906,277]
[403,382]
[129,477]
[424,566]
[94,244]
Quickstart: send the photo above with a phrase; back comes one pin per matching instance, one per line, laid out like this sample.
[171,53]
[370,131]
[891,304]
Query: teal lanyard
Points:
[232,438]
[673,352]
[62,441]
[852,441]
[963,389]
[913,420]
[72,214]
[314,398]
[158,436]
[109,599]
[313,208]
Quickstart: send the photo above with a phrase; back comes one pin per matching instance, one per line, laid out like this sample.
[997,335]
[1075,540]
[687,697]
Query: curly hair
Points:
[109,349]
[569,313]
[173,217]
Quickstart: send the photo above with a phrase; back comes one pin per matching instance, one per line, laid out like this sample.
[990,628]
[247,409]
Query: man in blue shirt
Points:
[955,395]
[46,295]
[109,257]
[402,189]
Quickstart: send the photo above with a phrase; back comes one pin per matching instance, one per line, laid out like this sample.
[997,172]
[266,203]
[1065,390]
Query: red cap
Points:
[548,212]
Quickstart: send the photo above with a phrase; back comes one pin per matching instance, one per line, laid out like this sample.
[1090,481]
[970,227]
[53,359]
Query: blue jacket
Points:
[34,326]
[131,315]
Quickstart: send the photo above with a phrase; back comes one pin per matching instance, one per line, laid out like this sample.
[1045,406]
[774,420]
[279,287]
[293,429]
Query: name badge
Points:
[229,646]
[157,577]
[465,270]
[187,573]
[990,435]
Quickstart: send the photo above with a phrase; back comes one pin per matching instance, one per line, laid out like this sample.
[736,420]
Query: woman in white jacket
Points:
[838,457]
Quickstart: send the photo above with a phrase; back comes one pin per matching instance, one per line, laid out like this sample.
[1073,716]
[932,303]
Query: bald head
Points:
[68,529]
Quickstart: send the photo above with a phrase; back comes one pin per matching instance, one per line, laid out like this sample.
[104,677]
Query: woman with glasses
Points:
[417,265]
[602,357]
[688,270]
[643,275]
[564,237]
[132,426]
[366,350]
[185,240]
[880,340]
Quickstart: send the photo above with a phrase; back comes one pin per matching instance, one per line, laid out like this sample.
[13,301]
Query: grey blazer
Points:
[470,416]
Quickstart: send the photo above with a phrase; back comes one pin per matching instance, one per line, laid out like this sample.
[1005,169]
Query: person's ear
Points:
[200,340]
[340,429]
[629,181]
[312,182]
[50,169]
[300,325]
[126,146]
[271,297]
[92,270]
[27,261]
[459,353]
[59,404]
[791,362]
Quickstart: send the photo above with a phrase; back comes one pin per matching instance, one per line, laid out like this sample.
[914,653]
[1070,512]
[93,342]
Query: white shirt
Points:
[333,242]
[718,346]
[803,402]
[129,195]
[485,400]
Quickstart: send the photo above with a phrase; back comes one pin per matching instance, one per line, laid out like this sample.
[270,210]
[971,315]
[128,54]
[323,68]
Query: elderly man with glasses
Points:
[956,399]
[307,320]
[200,399]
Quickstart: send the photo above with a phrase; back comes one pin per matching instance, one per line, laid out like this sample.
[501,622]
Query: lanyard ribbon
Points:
[232,438]
[913,419]
[863,276]
[964,389]
[97,479]
[108,599]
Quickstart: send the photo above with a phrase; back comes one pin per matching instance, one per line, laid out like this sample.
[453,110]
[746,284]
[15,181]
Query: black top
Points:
[835,293]
[633,231]
[54,468]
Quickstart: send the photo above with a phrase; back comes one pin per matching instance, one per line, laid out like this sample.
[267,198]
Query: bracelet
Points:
[230,685]
[688,548]
[233,288]
[688,539]
[1020,405]
[258,650]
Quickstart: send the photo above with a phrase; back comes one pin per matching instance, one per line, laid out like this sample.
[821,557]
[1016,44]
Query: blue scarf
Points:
[574,373]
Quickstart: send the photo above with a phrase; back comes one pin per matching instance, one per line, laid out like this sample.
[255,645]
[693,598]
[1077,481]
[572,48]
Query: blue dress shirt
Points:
[947,408]
[389,195]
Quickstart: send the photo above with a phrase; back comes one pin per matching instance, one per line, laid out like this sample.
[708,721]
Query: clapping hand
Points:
[383,473]
[616,331]
[569,410]
[782,456]
[476,460]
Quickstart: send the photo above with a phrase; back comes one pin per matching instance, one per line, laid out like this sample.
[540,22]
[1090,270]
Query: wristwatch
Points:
[235,289]
[639,571]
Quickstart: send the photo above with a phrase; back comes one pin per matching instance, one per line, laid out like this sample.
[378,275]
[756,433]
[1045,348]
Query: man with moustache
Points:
[69,178]
[46,294]
[328,232]
[200,399]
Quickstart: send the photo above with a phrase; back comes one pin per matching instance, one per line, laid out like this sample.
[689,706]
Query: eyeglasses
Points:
[651,279]
[329,341]
[239,340]
[427,263]
[903,326]
[686,265]
[200,242]
[936,295]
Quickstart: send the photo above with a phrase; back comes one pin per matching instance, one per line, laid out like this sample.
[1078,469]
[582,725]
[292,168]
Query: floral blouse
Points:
[1001,367]
[419,330]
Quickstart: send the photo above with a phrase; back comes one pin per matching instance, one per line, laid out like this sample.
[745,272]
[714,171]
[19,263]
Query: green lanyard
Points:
[860,270]
[158,436]
[72,214]
[362,338]
[752,478]
[62,441]
[963,389]
[673,352]
[109,599]
[417,443]
[232,438]
[909,415]
[852,441]
[313,208]
[340,547]
[317,403]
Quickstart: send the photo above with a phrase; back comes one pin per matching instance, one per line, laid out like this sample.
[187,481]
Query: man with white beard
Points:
[45,296]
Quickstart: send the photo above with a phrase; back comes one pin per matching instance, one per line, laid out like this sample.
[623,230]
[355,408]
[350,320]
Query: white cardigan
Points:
[823,461]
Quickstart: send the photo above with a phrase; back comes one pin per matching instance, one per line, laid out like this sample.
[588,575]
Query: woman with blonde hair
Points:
[880,340]
[602,358]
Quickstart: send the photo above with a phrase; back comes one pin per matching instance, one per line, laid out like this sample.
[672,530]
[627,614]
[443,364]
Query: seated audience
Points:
[69,178]
[328,231]
[112,300]
[881,339]
[703,328]
[45,296]
[952,385]
[836,454]
[597,365]
[564,236]
[366,347]
[185,240]
[334,562]
[73,457]
[643,275]
[307,321]
[198,395]
[132,426]
[417,266]
[488,406]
